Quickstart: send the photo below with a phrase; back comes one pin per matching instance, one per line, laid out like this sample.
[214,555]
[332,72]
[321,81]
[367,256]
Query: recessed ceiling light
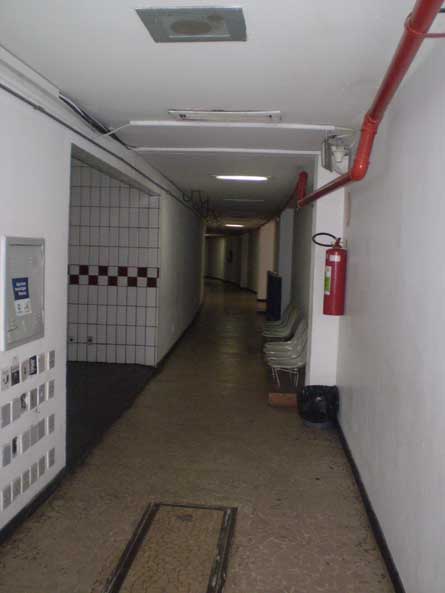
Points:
[241,177]
[235,226]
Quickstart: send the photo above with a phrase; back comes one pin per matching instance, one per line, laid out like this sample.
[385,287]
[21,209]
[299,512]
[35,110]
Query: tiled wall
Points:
[113,270]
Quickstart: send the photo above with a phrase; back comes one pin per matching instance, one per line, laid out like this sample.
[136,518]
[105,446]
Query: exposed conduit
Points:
[417,26]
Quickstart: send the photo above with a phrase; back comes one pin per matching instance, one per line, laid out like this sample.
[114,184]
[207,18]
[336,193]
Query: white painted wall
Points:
[302,259]
[35,159]
[252,272]
[327,216]
[181,273]
[35,153]
[266,256]
[244,272]
[285,253]
[392,348]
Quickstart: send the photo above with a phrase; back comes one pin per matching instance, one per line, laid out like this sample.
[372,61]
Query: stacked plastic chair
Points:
[283,328]
[289,356]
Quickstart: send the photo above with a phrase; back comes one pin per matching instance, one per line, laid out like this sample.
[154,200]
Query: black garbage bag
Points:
[318,404]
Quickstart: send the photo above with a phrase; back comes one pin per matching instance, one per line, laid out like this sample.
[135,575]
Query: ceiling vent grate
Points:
[173,25]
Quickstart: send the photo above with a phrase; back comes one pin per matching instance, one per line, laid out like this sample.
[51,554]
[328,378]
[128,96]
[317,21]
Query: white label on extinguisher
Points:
[327,280]
[335,257]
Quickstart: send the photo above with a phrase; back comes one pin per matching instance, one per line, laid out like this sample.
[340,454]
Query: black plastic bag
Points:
[318,404]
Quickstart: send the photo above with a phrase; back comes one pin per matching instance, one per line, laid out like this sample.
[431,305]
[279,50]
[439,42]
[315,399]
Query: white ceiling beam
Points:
[218,150]
[242,125]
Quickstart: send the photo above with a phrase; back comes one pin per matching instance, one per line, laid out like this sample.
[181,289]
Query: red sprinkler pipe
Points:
[417,26]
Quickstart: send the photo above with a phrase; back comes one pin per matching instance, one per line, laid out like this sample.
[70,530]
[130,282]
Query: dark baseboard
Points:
[373,520]
[31,507]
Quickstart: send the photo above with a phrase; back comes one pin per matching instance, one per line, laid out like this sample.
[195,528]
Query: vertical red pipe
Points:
[417,26]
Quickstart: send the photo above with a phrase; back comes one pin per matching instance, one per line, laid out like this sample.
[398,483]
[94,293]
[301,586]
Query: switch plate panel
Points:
[22,291]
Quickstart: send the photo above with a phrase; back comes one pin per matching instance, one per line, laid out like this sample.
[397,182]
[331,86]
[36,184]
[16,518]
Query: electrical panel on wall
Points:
[22,291]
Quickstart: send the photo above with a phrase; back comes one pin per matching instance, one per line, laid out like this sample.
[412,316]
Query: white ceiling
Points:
[316,62]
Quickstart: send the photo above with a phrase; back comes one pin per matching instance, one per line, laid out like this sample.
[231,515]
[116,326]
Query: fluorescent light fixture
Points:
[235,226]
[220,115]
[241,177]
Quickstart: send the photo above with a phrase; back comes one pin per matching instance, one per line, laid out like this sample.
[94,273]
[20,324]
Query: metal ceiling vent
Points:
[173,25]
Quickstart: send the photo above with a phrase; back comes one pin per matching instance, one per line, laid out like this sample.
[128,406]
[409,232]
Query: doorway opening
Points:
[113,277]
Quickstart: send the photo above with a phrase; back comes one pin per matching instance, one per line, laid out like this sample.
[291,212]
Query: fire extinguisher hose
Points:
[336,239]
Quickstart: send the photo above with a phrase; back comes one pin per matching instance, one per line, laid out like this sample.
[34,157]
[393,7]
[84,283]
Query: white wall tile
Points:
[101,335]
[93,294]
[74,215]
[83,313]
[121,315]
[140,335]
[140,355]
[131,296]
[92,313]
[111,334]
[112,314]
[101,353]
[121,334]
[124,217]
[111,353]
[91,352]
[104,216]
[134,217]
[131,315]
[114,217]
[130,354]
[109,227]
[114,197]
[94,255]
[141,296]
[85,216]
[149,356]
[95,197]
[103,314]
[95,216]
[131,335]
[120,354]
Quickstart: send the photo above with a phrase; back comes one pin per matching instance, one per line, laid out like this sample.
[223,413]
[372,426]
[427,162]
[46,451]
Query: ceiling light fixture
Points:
[235,226]
[222,115]
[241,178]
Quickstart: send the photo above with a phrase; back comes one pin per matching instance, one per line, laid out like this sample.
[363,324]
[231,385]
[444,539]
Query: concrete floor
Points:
[201,432]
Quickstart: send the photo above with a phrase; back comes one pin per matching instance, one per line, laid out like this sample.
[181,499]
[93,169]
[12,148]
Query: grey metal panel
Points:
[196,24]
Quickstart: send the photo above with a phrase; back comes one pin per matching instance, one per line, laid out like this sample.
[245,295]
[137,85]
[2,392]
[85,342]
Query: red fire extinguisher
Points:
[334,276]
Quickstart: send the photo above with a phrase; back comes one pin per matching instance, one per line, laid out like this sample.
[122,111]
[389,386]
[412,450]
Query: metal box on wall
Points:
[22,291]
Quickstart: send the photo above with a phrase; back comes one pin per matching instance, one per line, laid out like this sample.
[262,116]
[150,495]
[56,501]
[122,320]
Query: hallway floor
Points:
[201,432]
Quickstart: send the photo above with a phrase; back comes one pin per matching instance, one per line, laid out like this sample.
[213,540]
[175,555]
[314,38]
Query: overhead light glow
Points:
[235,226]
[241,177]
[238,200]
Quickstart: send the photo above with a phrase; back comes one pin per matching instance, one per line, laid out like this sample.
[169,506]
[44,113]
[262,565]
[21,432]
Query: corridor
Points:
[202,432]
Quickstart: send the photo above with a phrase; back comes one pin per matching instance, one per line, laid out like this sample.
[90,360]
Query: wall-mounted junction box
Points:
[22,291]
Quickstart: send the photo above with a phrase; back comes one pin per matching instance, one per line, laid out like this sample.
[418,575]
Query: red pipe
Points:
[417,26]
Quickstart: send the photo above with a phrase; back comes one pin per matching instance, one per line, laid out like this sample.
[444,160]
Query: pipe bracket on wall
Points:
[416,30]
